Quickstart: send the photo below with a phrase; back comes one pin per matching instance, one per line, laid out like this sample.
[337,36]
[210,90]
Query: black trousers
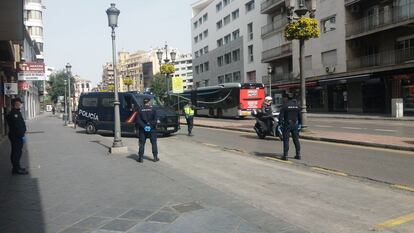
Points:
[190,123]
[16,151]
[287,132]
[143,138]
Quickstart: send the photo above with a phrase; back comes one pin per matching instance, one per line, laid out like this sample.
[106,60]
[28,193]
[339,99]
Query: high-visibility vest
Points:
[188,110]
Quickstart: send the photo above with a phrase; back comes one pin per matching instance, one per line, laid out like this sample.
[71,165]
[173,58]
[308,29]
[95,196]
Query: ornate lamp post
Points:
[113,14]
[269,73]
[69,72]
[300,12]
[65,115]
[173,55]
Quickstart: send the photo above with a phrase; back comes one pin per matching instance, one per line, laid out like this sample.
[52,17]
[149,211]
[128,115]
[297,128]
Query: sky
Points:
[77,31]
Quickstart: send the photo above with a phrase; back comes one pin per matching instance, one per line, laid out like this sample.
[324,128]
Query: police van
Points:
[96,112]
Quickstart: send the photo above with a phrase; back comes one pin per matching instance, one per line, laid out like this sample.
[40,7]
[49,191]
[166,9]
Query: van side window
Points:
[108,102]
[90,102]
[127,102]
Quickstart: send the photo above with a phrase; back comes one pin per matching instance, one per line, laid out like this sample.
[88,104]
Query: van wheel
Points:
[90,128]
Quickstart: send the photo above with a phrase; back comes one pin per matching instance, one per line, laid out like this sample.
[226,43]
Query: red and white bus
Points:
[225,100]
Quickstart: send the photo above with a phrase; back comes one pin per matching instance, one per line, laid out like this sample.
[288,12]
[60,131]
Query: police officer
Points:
[291,121]
[17,130]
[147,122]
[189,109]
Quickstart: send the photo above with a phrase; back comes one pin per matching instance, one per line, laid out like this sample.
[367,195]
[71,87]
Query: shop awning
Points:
[295,85]
[346,79]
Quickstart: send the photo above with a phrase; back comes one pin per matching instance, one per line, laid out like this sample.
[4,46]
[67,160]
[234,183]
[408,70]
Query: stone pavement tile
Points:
[137,214]
[187,207]
[148,227]
[106,231]
[111,212]
[162,216]
[92,222]
[67,219]
[119,225]
[75,230]
[244,227]
[51,228]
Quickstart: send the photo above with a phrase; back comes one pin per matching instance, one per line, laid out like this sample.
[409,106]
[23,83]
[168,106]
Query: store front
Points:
[403,88]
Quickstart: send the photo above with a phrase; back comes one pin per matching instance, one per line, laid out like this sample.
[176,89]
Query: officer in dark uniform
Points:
[147,122]
[17,130]
[291,121]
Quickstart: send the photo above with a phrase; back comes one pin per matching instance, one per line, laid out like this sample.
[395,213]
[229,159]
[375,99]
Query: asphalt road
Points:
[378,164]
[360,126]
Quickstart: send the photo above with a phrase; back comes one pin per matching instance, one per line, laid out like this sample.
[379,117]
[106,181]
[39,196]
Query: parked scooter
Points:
[267,125]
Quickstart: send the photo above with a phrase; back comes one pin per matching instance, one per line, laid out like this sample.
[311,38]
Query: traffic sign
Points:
[10,89]
[177,85]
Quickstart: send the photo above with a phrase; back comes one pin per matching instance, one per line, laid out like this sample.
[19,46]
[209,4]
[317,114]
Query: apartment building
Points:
[81,86]
[363,58]
[33,20]
[184,68]
[108,76]
[226,43]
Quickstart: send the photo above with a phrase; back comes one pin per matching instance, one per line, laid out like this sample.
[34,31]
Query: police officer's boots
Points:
[140,158]
[156,158]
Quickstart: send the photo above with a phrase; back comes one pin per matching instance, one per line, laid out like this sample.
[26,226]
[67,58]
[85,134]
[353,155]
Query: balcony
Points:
[276,78]
[350,2]
[277,53]
[268,6]
[385,58]
[274,27]
[387,19]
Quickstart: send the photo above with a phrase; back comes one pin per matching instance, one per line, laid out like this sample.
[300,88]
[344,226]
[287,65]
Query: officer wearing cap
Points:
[291,122]
[17,130]
[147,122]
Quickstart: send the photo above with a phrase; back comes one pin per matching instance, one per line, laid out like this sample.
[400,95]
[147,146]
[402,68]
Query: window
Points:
[251,76]
[227,58]
[205,33]
[236,34]
[108,102]
[308,63]
[250,31]
[250,53]
[220,79]
[34,14]
[226,20]
[205,17]
[196,39]
[206,83]
[206,50]
[329,24]
[227,39]
[200,21]
[329,58]
[235,14]
[236,55]
[201,51]
[201,68]
[35,31]
[195,24]
[220,42]
[206,66]
[197,69]
[200,36]
[220,61]
[228,78]
[219,6]
[226,2]
[219,24]
[249,6]
[196,54]
[236,77]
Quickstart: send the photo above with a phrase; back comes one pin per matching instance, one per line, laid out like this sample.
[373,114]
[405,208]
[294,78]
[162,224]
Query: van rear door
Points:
[106,108]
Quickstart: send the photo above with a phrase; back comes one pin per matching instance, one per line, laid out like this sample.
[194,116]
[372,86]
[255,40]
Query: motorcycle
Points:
[263,129]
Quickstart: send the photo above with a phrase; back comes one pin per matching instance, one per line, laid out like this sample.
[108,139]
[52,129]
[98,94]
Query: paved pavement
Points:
[75,186]
[362,116]
[331,135]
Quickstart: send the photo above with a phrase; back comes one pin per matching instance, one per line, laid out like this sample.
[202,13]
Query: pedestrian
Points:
[17,130]
[189,110]
[53,110]
[291,122]
[146,123]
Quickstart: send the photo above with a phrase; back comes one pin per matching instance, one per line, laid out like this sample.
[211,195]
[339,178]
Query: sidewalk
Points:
[380,141]
[359,116]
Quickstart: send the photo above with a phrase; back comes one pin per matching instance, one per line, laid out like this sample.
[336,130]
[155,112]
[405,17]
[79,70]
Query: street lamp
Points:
[173,55]
[65,116]
[301,11]
[68,71]
[113,14]
[269,73]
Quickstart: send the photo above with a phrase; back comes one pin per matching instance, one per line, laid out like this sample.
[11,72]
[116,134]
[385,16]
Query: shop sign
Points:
[31,71]
[24,86]
[10,89]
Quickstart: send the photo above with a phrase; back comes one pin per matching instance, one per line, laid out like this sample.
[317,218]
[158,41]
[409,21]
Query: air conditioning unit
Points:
[330,69]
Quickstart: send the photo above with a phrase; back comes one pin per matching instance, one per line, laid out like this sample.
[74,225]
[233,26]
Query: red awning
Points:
[295,85]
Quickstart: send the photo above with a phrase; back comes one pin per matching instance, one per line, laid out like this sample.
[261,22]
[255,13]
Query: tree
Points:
[159,86]
[57,85]
[128,81]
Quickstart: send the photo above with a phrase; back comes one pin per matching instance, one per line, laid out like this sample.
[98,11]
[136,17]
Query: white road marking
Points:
[356,128]
[385,130]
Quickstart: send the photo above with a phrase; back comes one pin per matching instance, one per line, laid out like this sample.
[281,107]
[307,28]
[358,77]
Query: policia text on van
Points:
[96,112]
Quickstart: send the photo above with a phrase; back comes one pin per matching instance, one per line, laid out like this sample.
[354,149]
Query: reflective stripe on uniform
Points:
[188,111]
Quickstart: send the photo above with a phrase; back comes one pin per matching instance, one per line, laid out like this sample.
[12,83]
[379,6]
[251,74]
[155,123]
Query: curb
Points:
[322,139]
[363,118]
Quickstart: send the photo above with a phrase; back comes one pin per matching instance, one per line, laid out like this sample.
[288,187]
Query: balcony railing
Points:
[385,58]
[269,4]
[350,2]
[281,77]
[276,53]
[387,17]
[275,26]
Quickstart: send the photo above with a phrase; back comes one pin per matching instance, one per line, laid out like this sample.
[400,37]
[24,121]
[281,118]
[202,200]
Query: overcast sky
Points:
[77,31]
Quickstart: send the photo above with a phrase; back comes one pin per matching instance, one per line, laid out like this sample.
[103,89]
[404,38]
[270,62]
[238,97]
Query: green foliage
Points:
[159,86]
[57,85]
[167,68]
[128,81]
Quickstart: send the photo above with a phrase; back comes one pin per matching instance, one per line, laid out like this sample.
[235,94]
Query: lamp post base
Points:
[118,150]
